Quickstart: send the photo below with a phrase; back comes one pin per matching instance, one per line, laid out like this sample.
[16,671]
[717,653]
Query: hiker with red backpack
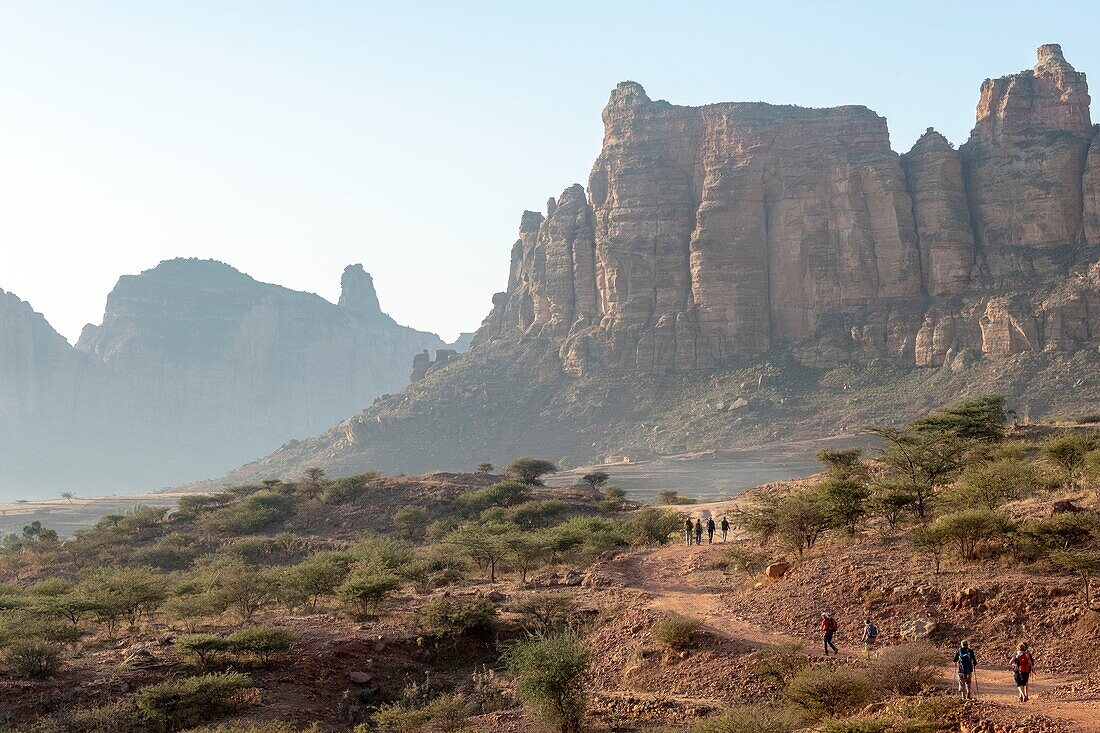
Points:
[828,628]
[1022,664]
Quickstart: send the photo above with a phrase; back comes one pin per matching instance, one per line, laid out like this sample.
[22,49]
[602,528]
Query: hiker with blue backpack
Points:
[966,663]
[870,635]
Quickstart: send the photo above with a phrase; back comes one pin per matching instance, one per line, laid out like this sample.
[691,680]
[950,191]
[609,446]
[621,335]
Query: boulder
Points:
[777,569]
[917,629]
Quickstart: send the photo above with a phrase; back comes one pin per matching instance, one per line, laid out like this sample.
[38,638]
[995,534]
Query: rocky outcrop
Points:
[732,230]
[195,368]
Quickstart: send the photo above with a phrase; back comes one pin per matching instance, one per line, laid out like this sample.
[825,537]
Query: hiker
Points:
[965,663]
[870,634]
[688,529]
[1022,664]
[828,628]
[710,530]
[699,531]
[725,528]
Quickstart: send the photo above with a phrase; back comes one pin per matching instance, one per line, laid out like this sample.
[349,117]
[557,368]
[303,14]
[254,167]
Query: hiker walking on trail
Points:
[725,528]
[688,529]
[966,662]
[1022,664]
[699,531]
[870,634]
[828,628]
[710,530]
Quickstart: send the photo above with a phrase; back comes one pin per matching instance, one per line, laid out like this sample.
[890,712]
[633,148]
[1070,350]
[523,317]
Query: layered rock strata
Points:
[731,230]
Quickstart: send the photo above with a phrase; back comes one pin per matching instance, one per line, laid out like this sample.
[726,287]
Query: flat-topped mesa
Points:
[733,229]
[357,292]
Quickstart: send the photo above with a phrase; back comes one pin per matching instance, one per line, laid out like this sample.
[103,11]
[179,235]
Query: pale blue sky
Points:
[291,139]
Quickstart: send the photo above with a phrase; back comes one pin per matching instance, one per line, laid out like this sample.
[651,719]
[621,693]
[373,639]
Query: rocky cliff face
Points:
[195,368]
[731,230]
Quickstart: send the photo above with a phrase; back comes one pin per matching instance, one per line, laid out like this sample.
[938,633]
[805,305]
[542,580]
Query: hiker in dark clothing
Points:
[828,629]
[688,529]
[710,530]
[1022,664]
[965,663]
[698,531]
[725,528]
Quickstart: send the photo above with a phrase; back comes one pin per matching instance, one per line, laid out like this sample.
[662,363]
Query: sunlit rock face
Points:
[729,230]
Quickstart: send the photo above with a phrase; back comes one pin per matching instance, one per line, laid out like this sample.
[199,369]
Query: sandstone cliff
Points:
[718,232]
[195,368]
[741,273]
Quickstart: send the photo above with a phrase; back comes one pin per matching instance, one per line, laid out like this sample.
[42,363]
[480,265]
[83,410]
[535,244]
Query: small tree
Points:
[926,460]
[316,576]
[68,496]
[550,674]
[931,541]
[969,529]
[411,522]
[530,470]
[988,485]
[845,502]
[1067,453]
[115,594]
[367,586]
[1081,563]
[841,463]
[486,545]
[891,499]
[596,479]
[245,590]
[981,418]
[315,475]
[485,467]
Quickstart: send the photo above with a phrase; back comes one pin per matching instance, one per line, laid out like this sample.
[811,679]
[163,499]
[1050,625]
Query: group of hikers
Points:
[965,660]
[693,530]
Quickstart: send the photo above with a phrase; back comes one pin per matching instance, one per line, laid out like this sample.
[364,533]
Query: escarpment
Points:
[737,229]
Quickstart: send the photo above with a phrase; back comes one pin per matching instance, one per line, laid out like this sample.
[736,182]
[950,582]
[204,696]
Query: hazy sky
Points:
[291,139]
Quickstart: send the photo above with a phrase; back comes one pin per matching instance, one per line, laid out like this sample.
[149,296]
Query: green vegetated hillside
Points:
[508,398]
[486,602]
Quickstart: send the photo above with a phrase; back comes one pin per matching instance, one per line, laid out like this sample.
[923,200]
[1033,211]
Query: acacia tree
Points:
[596,479]
[530,470]
[486,545]
[926,460]
[1084,564]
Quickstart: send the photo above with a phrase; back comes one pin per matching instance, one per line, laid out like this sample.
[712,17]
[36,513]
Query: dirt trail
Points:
[669,577]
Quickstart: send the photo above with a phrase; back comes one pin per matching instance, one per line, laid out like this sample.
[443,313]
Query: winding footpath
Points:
[664,574]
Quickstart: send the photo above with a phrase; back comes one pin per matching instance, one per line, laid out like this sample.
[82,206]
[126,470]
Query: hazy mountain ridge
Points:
[195,367]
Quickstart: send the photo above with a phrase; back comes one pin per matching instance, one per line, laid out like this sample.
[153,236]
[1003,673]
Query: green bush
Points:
[259,641]
[177,704]
[537,514]
[203,647]
[550,675]
[780,662]
[315,577]
[346,490]
[651,526]
[669,497]
[530,470]
[678,632]
[34,659]
[545,612]
[503,494]
[451,617]
[411,522]
[969,529]
[193,505]
[826,692]
[906,669]
[367,586]
[250,514]
[748,719]
[444,714]
[861,724]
